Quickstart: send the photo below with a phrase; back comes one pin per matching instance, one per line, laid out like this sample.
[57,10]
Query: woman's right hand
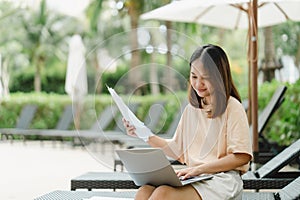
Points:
[130,129]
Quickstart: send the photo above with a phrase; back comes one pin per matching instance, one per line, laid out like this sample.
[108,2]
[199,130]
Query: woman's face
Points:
[200,80]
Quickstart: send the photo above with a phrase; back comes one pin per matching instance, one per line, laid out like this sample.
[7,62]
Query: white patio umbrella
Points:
[229,14]
[76,76]
[233,14]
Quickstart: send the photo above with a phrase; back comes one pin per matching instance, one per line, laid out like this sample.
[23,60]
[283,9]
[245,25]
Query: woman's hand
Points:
[130,130]
[188,172]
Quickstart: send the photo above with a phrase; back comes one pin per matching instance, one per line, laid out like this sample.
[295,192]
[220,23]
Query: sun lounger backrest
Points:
[273,104]
[26,116]
[66,118]
[105,118]
[279,161]
[291,191]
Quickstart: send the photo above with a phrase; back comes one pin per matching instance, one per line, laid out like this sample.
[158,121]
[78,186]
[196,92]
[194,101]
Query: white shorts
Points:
[223,186]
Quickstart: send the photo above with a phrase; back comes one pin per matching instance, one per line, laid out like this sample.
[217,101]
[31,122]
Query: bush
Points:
[283,127]
[51,106]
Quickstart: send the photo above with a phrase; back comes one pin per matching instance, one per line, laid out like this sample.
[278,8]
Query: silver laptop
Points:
[151,166]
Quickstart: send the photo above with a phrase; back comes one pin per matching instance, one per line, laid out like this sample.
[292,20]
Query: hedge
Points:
[283,127]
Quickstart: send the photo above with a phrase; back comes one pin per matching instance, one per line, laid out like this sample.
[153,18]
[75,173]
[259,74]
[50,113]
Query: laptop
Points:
[151,166]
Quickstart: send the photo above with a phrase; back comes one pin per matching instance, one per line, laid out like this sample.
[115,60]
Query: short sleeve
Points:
[238,135]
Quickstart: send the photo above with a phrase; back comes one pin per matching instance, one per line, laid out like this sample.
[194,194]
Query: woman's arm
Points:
[154,141]
[224,164]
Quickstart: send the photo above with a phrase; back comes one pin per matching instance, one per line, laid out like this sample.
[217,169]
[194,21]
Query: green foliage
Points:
[284,126]
[22,81]
[111,78]
[53,80]
[51,106]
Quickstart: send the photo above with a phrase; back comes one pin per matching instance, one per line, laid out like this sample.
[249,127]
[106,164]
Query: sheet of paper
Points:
[142,131]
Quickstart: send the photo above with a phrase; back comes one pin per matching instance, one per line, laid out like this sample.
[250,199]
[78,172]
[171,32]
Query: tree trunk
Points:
[37,76]
[171,81]
[154,86]
[298,53]
[98,68]
[134,74]
[269,64]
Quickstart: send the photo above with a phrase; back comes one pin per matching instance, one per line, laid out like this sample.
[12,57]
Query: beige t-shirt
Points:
[199,139]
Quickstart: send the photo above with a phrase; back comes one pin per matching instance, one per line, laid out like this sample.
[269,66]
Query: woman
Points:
[212,136]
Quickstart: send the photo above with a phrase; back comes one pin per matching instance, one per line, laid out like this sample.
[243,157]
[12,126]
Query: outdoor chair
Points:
[62,131]
[79,195]
[290,192]
[104,118]
[269,176]
[63,123]
[23,122]
[265,152]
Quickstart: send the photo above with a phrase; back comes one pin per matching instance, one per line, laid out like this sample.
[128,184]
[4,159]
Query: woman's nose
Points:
[199,83]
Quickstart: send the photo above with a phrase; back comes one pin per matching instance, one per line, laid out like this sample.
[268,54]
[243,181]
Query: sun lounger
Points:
[79,195]
[271,169]
[289,192]
[263,118]
[63,123]
[61,131]
[23,122]
[268,176]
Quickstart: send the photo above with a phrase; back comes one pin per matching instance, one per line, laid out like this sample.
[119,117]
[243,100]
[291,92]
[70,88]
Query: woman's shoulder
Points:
[190,109]
[234,104]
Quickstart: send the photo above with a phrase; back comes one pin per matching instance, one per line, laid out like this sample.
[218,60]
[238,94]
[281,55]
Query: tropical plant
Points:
[44,37]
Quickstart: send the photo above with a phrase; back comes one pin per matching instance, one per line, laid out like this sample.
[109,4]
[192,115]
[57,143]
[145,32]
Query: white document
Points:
[142,131]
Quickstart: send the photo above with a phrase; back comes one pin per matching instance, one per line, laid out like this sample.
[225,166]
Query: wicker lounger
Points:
[289,192]
[79,195]
[268,176]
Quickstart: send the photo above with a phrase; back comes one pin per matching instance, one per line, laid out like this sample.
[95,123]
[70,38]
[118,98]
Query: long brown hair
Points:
[216,63]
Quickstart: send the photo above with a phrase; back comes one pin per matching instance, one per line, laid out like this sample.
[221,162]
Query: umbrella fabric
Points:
[229,14]
[76,77]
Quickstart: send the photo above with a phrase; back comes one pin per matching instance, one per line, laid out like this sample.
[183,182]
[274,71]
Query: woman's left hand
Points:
[188,172]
